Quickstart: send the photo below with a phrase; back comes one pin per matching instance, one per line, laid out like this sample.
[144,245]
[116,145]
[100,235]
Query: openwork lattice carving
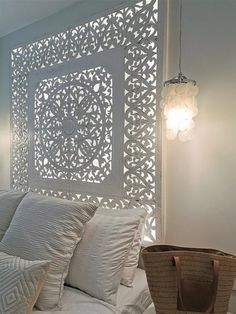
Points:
[66,134]
[73,126]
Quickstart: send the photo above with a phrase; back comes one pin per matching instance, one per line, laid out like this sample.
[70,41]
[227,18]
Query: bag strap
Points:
[216,268]
[178,273]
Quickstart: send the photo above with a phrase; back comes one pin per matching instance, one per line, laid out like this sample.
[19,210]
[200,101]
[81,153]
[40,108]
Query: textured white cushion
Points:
[21,282]
[98,261]
[47,228]
[9,200]
[132,259]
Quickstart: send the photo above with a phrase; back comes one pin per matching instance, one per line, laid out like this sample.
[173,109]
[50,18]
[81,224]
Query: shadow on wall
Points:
[5,144]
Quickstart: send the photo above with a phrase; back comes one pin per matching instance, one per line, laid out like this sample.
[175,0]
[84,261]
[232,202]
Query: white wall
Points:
[200,176]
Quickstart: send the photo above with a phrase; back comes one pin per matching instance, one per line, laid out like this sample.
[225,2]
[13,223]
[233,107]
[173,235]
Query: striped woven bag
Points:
[189,280]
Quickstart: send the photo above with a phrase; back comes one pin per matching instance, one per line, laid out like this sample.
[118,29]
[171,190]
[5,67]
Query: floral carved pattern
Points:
[73,126]
[134,28]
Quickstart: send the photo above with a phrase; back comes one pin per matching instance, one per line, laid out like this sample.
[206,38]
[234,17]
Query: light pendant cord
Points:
[180,35]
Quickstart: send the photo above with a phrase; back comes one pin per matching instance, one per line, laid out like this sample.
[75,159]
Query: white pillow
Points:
[132,259]
[98,261]
[131,263]
[21,282]
[47,228]
[9,200]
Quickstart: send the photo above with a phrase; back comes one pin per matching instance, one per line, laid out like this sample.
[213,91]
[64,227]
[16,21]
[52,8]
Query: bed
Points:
[129,301]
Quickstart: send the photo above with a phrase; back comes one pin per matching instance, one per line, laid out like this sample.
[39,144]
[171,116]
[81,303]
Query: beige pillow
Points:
[9,200]
[47,228]
[21,282]
[98,261]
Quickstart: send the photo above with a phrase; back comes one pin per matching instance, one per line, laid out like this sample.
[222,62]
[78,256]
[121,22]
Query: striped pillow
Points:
[47,228]
[98,261]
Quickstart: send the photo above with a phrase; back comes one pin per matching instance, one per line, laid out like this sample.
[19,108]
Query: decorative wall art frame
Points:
[85,120]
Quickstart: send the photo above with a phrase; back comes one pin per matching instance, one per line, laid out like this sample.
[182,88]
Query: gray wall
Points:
[200,176]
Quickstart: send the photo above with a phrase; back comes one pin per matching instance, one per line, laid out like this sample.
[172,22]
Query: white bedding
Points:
[129,300]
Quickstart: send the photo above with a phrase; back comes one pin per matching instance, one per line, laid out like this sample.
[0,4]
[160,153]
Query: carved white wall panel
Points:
[85,121]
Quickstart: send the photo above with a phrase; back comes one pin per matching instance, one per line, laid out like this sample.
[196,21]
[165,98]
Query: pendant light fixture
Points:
[179,100]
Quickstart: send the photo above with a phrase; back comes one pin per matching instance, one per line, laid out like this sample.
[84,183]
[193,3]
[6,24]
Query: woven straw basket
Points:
[196,265]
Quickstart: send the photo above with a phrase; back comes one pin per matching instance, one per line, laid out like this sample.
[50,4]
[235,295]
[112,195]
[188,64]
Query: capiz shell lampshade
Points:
[179,108]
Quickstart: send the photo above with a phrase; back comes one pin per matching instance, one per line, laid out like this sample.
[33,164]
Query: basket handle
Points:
[216,267]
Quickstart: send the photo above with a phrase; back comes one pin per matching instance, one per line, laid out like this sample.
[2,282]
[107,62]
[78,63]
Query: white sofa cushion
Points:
[98,261]
[9,200]
[47,228]
[21,282]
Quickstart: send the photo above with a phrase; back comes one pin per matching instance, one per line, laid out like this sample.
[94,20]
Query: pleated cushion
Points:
[98,261]
[47,228]
[132,259]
